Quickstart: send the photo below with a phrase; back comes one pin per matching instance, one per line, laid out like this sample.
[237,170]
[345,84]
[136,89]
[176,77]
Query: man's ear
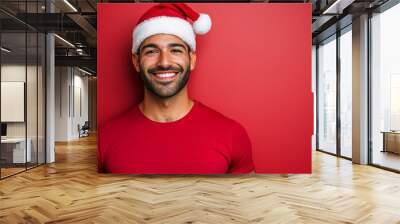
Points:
[135,61]
[193,58]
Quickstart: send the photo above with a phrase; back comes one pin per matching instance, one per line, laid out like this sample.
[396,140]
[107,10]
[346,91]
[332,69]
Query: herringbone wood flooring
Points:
[71,191]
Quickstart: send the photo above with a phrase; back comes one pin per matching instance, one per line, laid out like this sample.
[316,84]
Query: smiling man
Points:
[169,133]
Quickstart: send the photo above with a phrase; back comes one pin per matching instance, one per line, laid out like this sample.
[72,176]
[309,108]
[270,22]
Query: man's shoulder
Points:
[124,119]
[211,115]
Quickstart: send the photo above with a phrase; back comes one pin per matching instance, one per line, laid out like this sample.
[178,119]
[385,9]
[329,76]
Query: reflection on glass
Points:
[386,89]
[41,98]
[31,101]
[14,153]
[327,96]
[22,90]
[346,94]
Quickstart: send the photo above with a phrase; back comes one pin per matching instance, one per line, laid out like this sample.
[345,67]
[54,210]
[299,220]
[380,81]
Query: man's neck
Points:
[166,110]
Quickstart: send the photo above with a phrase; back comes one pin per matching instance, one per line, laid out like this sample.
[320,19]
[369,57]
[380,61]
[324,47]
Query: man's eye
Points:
[149,52]
[176,51]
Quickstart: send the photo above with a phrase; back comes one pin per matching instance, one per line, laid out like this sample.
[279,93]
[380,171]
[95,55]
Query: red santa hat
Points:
[171,18]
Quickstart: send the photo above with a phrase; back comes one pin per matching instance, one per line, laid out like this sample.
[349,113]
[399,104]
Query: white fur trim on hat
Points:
[164,25]
[203,24]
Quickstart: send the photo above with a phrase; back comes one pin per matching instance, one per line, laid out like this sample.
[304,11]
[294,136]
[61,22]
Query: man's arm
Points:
[241,157]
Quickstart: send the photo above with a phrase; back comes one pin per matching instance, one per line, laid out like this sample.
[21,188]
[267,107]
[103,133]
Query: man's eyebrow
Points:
[169,45]
[177,45]
[148,46]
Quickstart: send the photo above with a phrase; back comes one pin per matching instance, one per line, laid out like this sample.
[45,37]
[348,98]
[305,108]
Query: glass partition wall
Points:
[327,95]
[334,94]
[22,88]
[345,65]
[385,89]
[334,83]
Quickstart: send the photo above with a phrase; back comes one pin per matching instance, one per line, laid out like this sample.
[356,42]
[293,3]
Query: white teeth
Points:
[165,75]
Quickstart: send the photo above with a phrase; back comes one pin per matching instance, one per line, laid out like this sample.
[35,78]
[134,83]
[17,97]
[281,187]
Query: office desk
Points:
[15,148]
[391,141]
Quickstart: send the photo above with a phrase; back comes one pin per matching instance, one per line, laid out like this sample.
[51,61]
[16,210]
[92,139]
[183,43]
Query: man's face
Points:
[164,63]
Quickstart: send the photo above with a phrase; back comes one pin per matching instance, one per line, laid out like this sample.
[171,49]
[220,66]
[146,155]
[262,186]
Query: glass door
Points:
[346,92]
[14,153]
[22,77]
[327,95]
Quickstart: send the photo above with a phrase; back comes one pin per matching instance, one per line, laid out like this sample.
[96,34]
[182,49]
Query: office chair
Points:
[84,130]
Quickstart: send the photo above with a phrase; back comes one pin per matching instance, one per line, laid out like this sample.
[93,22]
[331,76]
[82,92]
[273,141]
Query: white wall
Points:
[81,102]
[62,81]
[71,93]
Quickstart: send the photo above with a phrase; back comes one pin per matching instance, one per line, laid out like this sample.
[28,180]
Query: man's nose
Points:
[164,60]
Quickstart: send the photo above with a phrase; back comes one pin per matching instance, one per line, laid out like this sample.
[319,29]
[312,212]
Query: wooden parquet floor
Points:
[71,191]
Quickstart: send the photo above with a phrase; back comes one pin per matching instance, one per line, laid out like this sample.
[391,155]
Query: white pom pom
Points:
[203,24]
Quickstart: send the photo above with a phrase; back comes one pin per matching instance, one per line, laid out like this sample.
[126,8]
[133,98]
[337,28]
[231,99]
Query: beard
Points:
[165,90]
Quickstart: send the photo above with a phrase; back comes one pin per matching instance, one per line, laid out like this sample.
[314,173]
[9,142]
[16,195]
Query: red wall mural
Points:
[253,66]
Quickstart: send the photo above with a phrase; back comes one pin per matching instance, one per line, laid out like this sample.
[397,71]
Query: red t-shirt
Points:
[202,142]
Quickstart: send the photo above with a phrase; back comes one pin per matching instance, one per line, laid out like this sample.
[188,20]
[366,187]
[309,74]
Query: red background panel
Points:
[253,66]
